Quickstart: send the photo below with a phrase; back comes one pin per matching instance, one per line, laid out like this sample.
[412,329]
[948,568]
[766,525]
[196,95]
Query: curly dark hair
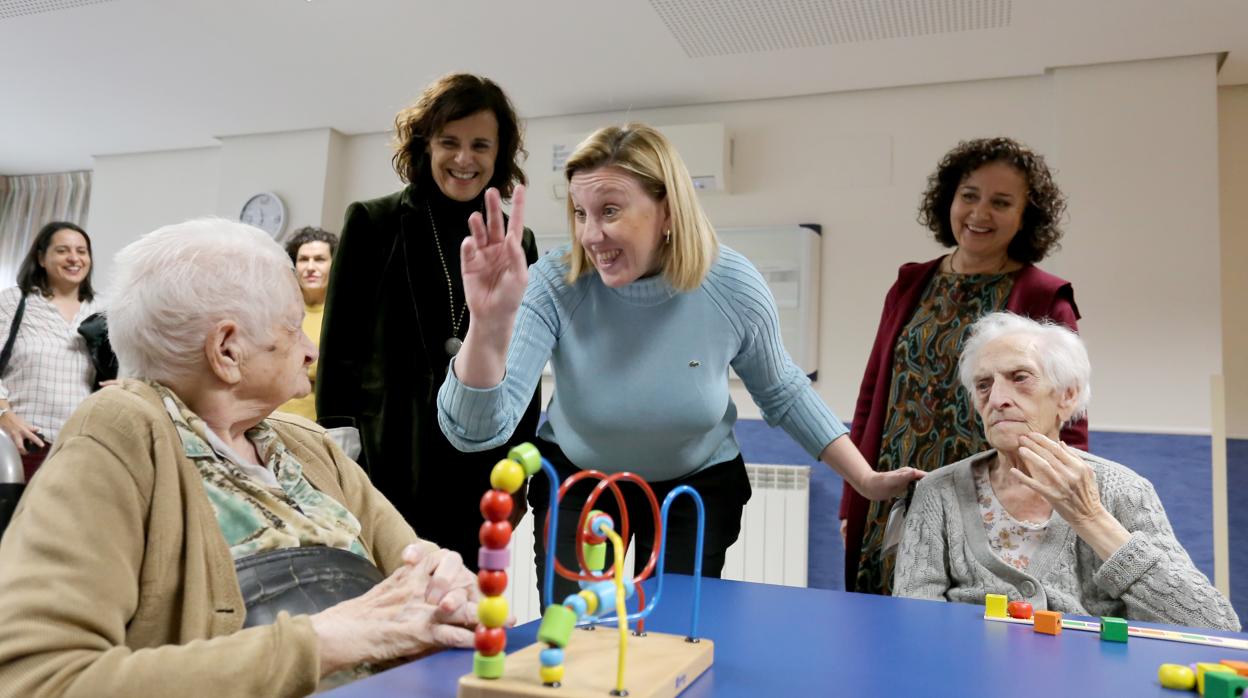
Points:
[33,278]
[450,98]
[1039,234]
[308,234]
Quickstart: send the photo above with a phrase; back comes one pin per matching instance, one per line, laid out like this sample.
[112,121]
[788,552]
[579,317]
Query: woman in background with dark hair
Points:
[312,251]
[994,202]
[395,312]
[46,369]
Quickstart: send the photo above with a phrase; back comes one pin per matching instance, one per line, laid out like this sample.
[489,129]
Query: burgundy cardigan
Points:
[1036,294]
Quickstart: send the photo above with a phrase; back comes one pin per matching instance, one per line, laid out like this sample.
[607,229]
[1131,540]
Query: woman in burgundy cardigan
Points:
[995,203]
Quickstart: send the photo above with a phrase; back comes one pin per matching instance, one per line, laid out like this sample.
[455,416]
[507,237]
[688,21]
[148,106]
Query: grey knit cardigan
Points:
[944,555]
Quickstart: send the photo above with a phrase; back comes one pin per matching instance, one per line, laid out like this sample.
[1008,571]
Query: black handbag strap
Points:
[8,345]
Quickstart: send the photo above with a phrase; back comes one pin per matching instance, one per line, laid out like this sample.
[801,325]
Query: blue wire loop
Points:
[548,583]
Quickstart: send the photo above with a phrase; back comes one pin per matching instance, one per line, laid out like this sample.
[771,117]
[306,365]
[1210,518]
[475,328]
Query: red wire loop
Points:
[606,481]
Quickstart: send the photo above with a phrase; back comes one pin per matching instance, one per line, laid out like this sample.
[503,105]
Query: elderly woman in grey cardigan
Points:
[1035,519]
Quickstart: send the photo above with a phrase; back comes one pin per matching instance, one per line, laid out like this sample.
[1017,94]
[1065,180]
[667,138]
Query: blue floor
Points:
[1178,467]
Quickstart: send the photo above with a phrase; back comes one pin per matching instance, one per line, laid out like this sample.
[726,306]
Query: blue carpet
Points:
[1237,497]
[1178,467]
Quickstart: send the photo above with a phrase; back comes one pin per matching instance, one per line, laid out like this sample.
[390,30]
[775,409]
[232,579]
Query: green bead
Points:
[557,625]
[595,556]
[1114,629]
[1225,685]
[527,456]
[488,667]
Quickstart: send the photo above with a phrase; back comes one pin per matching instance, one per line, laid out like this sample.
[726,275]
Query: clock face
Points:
[265,211]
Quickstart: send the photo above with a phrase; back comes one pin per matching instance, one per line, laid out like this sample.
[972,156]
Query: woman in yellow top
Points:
[312,251]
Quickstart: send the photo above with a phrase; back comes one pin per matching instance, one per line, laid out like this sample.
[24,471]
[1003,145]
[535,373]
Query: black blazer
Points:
[382,360]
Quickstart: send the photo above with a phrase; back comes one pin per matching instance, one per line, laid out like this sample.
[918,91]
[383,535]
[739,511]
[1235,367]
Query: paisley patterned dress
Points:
[930,420]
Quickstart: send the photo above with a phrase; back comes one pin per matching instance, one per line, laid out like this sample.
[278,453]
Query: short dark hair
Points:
[33,278]
[1040,231]
[308,234]
[450,98]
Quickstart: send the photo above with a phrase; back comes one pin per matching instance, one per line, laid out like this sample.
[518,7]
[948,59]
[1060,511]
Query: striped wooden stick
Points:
[1156,634]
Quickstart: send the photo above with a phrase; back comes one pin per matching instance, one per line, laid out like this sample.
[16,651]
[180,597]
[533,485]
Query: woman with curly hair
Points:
[395,312]
[992,201]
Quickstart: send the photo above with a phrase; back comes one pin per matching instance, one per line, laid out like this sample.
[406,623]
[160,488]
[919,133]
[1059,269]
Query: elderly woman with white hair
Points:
[181,539]
[1035,519]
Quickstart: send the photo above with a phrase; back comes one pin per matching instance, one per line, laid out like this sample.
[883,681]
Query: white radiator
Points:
[771,548]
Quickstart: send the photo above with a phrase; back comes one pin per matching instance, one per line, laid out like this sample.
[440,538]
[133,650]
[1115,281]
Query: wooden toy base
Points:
[658,666]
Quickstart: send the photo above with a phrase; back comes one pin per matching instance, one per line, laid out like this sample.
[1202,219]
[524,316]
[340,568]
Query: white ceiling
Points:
[116,76]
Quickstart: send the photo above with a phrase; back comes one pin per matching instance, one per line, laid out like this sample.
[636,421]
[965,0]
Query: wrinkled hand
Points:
[429,601]
[19,431]
[1060,476]
[492,261]
[450,584]
[879,487]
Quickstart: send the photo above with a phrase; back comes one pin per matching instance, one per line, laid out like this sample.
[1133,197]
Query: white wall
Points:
[135,194]
[1135,145]
[1233,141]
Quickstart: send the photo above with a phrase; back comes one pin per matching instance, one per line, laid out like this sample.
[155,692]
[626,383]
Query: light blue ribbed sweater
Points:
[641,372]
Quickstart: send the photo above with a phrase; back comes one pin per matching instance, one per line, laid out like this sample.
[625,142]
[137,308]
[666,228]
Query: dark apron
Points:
[304,580]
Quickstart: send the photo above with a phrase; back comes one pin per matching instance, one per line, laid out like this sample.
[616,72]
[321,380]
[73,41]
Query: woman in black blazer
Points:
[395,311]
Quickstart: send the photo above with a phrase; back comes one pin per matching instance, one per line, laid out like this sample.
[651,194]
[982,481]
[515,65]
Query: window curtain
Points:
[27,202]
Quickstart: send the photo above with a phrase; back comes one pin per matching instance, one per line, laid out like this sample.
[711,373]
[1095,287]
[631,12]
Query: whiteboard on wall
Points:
[788,257]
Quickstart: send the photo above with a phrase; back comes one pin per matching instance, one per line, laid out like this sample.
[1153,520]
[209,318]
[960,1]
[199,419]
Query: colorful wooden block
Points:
[1048,622]
[1224,685]
[994,605]
[1240,668]
[1205,669]
[1114,629]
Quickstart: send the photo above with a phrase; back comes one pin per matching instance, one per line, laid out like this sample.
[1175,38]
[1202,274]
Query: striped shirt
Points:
[641,372]
[50,371]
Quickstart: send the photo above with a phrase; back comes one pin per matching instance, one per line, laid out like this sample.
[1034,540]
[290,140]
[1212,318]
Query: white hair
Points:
[1060,352]
[172,286]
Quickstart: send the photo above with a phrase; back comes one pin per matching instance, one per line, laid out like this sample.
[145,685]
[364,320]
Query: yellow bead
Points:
[492,611]
[552,674]
[1176,676]
[591,601]
[507,476]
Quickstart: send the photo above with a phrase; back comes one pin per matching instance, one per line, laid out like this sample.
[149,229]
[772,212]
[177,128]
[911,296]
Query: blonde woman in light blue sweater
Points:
[640,317]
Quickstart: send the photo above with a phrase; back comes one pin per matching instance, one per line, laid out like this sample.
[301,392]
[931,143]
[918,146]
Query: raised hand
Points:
[1069,484]
[492,262]
[1060,476]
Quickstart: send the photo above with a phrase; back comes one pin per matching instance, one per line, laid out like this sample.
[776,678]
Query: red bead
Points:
[495,534]
[496,505]
[1019,609]
[489,641]
[492,582]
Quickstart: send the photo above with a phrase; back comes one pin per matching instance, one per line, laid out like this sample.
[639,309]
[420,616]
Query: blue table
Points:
[779,641]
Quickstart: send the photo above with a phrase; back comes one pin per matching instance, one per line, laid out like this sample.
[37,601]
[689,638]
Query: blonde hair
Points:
[647,155]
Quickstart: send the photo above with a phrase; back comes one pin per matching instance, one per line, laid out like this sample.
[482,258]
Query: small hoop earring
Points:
[667,237]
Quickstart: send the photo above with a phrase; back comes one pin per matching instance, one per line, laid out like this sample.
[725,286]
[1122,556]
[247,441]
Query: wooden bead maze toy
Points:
[563,664]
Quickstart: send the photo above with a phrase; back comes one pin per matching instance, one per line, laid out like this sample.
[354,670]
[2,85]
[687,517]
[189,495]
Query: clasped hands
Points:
[430,601]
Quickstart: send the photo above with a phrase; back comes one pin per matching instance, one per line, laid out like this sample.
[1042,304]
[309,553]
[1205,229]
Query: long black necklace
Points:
[453,343]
